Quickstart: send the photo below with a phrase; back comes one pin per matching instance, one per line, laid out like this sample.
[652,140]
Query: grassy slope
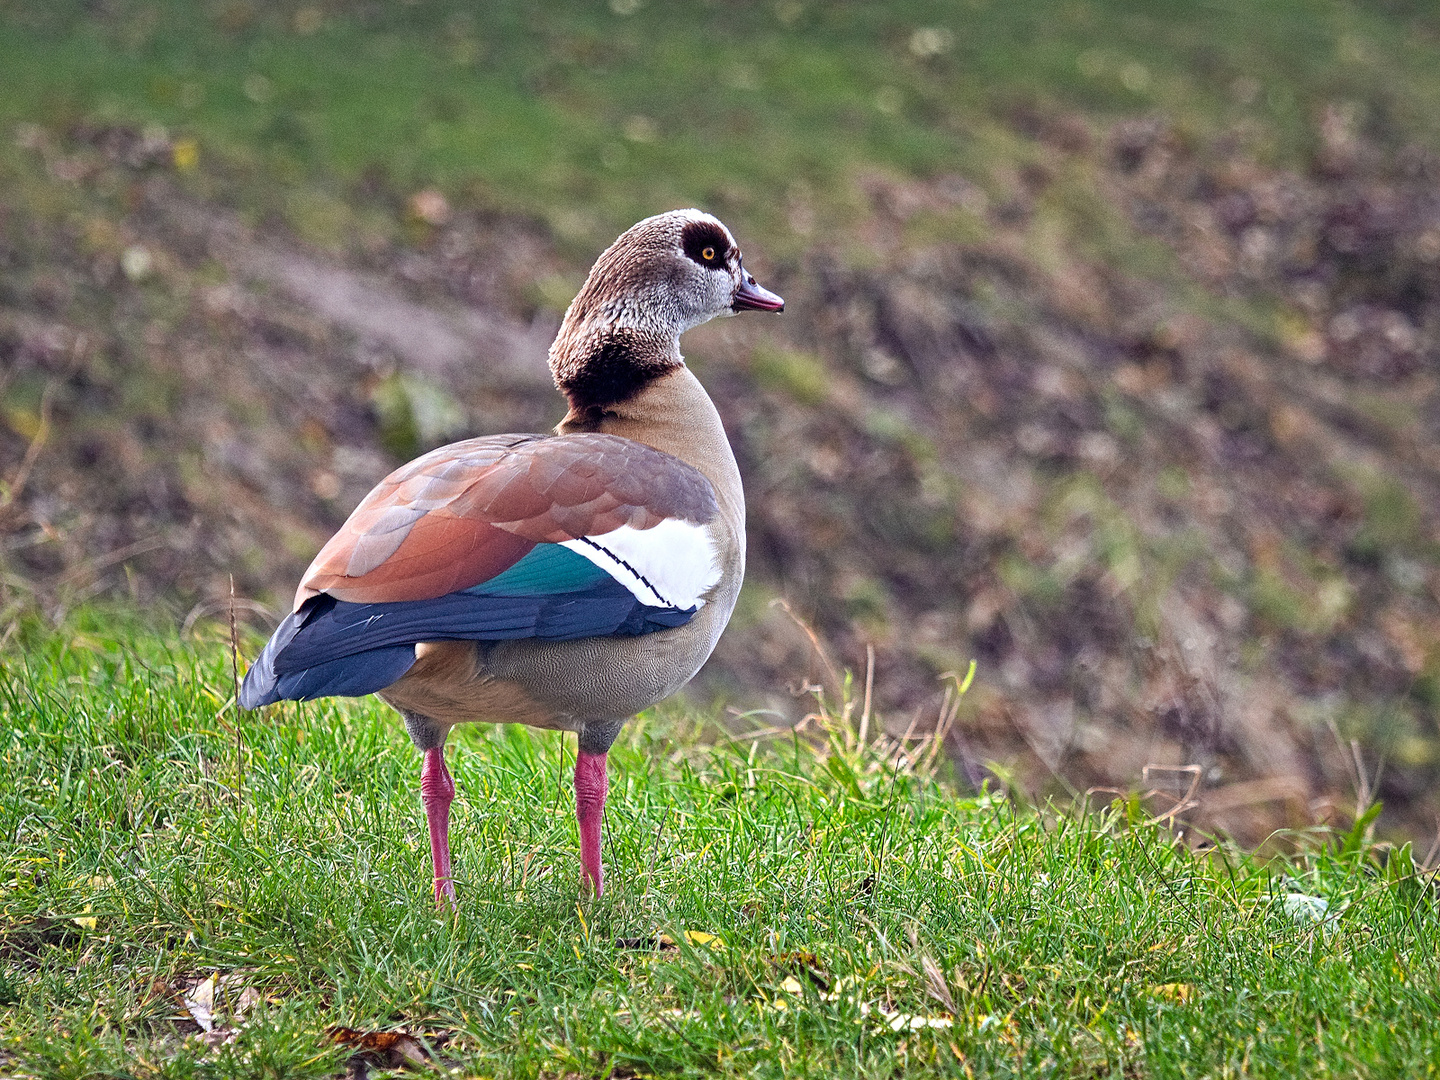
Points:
[743,108]
[1067,945]
[322,867]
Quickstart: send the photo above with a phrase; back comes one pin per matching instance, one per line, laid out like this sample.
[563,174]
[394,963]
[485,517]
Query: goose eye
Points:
[708,254]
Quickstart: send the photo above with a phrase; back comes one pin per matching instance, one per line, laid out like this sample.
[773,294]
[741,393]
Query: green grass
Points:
[1054,943]
[765,113]
[849,893]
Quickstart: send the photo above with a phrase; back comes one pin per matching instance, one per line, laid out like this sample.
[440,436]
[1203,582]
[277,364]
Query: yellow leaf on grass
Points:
[700,937]
[87,921]
[1181,992]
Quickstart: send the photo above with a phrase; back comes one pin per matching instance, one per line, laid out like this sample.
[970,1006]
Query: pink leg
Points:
[437,790]
[591,784]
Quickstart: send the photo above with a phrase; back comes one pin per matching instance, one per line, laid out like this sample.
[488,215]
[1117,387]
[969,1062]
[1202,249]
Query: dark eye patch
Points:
[698,236]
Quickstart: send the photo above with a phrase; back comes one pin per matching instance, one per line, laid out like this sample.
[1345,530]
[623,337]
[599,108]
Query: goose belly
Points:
[556,684]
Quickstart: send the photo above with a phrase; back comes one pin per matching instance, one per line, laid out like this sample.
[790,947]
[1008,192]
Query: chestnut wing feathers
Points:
[496,538]
[466,512]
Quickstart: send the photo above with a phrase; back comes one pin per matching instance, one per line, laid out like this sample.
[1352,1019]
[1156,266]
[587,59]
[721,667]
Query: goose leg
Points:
[437,790]
[591,784]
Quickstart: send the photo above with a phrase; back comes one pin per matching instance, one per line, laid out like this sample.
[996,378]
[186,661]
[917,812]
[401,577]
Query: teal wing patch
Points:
[547,569]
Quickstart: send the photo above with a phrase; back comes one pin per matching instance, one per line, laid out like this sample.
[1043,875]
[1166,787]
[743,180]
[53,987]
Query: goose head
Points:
[661,277]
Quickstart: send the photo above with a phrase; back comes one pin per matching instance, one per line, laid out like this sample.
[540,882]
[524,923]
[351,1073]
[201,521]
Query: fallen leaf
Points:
[200,1004]
[700,937]
[221,1036]
[899,1021]
[803,962]
[801,957]
[249,998]
[1181,992]
[663,943]
[388,1049]
[158,989]
[842,984]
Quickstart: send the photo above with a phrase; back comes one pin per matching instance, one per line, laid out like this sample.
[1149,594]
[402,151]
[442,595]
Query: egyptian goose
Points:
[563,581]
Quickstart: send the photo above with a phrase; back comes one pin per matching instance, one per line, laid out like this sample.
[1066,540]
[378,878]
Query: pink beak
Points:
[753,296]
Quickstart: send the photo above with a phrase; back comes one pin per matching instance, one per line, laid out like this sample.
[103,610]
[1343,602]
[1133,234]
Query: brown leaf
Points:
[387,1049]
[663,943]
[249,998]
[803,962]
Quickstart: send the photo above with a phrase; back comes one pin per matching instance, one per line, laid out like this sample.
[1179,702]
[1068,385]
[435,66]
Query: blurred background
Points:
[1110,359]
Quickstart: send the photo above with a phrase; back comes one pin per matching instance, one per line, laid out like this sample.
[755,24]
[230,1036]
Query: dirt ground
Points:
[1181,518]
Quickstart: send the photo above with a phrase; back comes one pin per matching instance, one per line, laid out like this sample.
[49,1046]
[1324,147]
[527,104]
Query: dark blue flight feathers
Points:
[333,648]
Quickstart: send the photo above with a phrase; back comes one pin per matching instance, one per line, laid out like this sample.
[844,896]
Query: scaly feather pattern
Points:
[550,537]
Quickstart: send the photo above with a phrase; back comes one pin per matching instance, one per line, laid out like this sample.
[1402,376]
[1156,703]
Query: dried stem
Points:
[830,669]
[21,474]
[869,687]
[235,681]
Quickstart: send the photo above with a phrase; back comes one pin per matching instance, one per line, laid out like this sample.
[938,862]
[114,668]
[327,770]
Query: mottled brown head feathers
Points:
[660,278]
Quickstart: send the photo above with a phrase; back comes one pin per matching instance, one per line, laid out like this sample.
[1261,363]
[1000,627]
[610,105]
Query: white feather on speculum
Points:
[672,564]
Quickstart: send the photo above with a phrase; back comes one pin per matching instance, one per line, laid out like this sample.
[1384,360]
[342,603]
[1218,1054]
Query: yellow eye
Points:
[708,254]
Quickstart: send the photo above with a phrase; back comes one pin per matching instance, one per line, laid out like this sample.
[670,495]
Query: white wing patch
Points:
[669,565]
